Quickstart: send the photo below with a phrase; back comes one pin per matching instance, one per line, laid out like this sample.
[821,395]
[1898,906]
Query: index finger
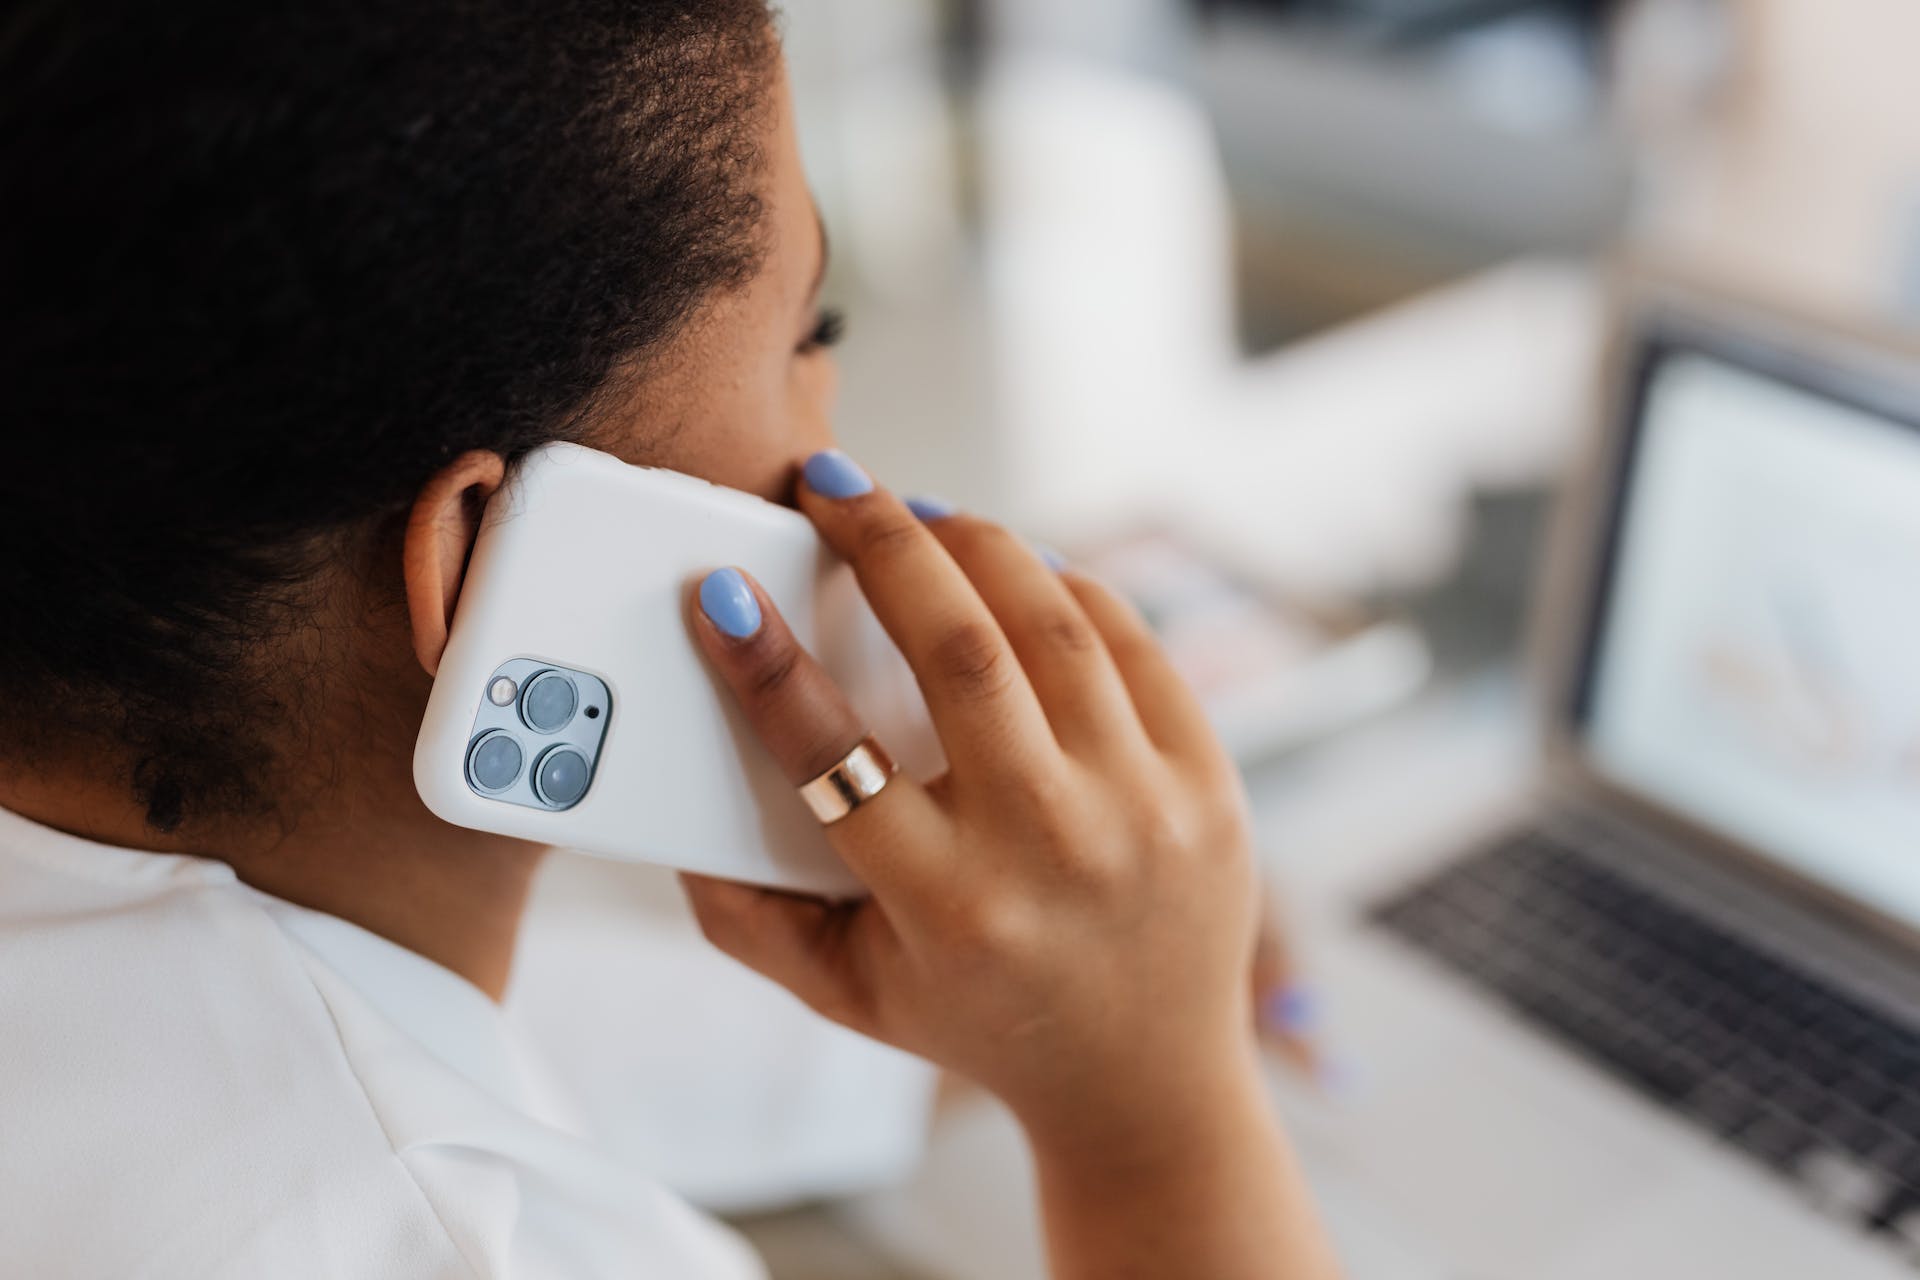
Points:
[983,707]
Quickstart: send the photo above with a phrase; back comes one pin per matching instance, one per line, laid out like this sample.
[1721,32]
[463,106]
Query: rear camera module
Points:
[560,778]
[548,702]
[493,761]
[539,728]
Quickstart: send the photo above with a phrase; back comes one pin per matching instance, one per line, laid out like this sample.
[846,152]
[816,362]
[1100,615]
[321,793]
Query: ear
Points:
[440,534]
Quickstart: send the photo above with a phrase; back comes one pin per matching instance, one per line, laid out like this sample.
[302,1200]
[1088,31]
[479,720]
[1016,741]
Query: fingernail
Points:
[832,474]
[1289,1009]
[1051,558]
[930,509]
[729,603]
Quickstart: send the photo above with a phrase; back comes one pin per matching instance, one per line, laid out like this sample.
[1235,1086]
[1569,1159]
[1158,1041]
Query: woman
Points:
[287,292]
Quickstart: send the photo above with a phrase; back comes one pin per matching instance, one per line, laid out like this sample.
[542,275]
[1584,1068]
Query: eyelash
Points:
[828,329]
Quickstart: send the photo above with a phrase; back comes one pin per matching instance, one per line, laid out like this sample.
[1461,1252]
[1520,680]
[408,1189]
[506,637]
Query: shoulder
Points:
[172,1090]
[189,1089]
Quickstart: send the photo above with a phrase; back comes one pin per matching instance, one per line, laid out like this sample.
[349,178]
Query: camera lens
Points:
[548,702]
[493,762]
[560,779]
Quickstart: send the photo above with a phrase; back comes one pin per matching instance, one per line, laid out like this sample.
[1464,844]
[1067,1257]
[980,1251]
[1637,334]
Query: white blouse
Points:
[197,1079]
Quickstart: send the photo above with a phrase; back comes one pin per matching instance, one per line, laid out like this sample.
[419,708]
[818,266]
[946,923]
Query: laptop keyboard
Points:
[1800,1077]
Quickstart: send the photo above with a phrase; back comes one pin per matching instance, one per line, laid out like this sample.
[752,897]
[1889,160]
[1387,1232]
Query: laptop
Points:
[1664,1021]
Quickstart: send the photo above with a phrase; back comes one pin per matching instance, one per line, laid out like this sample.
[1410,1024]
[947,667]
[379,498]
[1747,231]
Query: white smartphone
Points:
[573,707]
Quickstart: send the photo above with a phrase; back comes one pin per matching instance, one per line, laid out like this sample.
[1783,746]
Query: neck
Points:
[374,857]
[452,895]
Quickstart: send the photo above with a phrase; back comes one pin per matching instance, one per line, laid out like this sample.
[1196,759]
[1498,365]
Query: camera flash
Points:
[501,691]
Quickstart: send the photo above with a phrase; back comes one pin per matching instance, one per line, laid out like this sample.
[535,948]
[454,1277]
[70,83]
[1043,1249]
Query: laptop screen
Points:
[1755,658]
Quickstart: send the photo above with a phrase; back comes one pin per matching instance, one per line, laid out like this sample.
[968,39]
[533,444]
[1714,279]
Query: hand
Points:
[1068,915]
[1281,1008]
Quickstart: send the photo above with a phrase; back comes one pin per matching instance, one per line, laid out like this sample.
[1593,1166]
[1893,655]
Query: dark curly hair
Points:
[265,267]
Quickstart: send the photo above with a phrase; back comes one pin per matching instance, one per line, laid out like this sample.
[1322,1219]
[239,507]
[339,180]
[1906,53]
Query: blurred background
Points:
[1314,289]
[1286,315]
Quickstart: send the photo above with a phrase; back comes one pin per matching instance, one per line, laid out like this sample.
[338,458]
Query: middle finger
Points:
[1060,649]
[984,708]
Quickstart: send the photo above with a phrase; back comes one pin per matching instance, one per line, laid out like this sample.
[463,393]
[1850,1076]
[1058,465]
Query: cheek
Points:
[788,420]
[816,382]
[751,436]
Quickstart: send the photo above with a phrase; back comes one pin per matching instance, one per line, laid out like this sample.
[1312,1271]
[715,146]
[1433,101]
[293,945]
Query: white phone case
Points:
[587,563]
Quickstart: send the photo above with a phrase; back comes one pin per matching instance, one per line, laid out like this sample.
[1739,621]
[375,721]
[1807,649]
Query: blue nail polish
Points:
[729,603]
[1290,1009]
[930,509]
[1051,558]
[832,474]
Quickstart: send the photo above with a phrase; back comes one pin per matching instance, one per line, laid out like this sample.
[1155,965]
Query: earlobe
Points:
[440,534]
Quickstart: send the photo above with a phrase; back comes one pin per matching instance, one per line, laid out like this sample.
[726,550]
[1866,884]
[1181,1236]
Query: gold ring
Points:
[861,775]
